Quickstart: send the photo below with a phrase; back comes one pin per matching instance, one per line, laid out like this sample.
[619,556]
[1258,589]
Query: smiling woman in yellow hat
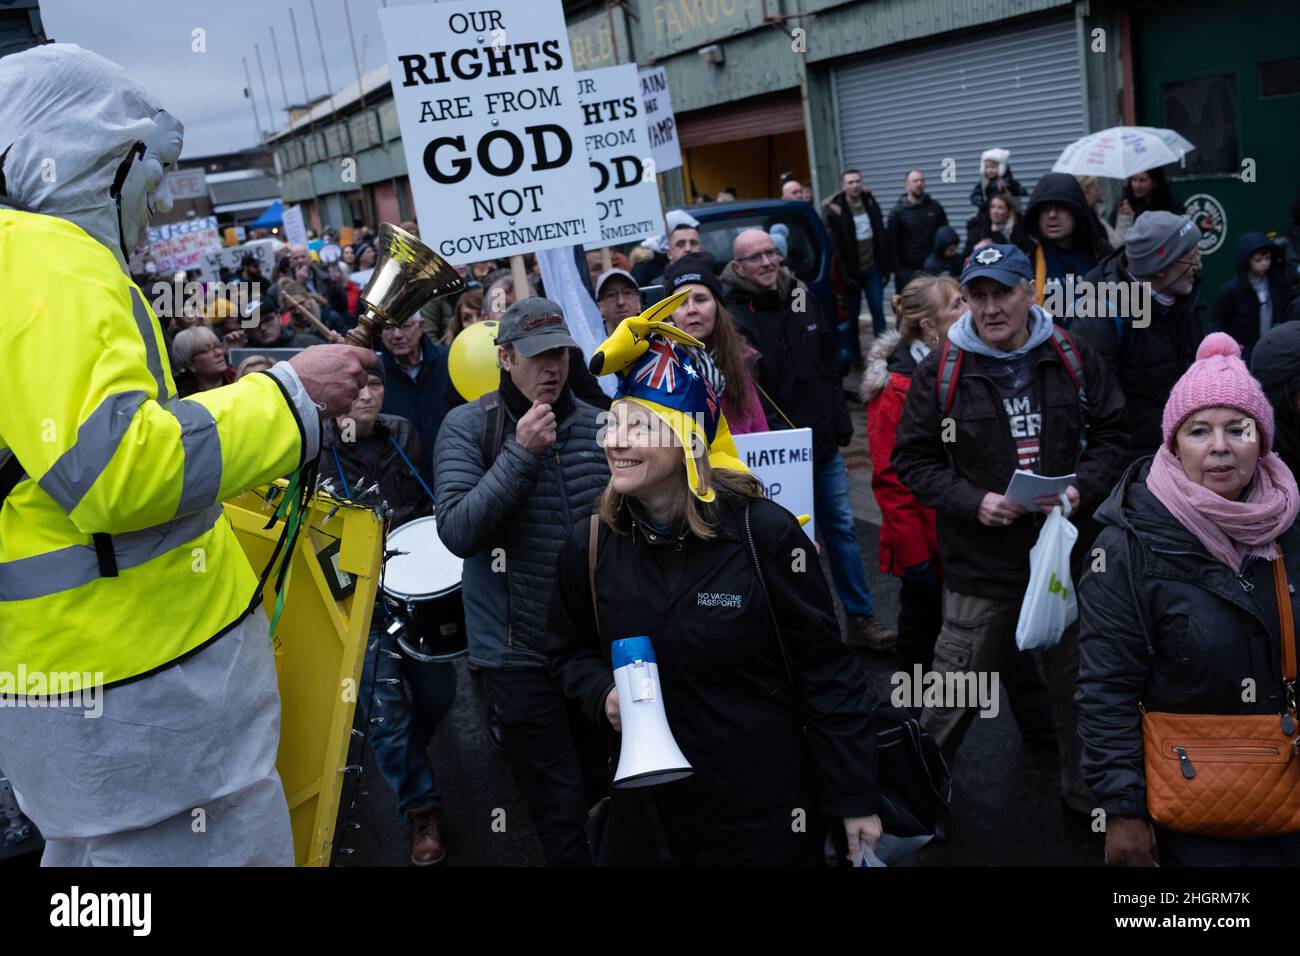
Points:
[726,585]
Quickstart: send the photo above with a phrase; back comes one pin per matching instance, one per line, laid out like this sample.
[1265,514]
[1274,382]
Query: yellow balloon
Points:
[473,361]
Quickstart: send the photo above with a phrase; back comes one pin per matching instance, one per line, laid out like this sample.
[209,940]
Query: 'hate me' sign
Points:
[487,101]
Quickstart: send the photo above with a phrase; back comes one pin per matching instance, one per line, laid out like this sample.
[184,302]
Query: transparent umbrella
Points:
[1121,151]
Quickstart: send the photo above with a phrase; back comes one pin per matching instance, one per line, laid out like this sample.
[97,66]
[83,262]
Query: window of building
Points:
[1204,109]
[1279,77]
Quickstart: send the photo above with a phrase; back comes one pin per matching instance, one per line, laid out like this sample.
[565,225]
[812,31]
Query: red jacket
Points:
[907,528]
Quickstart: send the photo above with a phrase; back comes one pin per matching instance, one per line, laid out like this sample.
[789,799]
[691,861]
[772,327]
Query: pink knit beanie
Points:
[1218,379]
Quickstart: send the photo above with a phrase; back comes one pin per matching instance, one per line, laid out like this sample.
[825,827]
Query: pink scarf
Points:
[1230,530]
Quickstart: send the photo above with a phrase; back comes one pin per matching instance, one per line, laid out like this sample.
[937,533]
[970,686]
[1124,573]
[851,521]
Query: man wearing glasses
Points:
[797,369]
[415,371]
[617,297]
[1146,327]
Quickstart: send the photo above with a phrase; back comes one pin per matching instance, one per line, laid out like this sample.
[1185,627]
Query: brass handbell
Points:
[407,274]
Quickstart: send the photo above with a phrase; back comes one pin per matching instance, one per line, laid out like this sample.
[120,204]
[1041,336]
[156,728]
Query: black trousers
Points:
[556,756]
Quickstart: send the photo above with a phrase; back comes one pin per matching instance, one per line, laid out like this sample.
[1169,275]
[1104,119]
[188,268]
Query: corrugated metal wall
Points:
[1018,87]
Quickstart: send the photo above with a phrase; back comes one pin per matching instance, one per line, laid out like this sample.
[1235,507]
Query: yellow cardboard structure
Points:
[319,651]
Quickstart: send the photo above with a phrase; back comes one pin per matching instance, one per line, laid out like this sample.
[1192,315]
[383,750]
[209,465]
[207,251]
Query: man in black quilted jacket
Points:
[514,472]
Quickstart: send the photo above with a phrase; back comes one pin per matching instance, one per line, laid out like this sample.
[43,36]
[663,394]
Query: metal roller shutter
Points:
[1018,87]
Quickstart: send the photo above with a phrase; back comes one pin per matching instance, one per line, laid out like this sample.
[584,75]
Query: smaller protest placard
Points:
[783,462]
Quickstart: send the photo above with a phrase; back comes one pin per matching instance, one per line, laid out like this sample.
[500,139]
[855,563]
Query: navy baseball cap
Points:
[1004,264]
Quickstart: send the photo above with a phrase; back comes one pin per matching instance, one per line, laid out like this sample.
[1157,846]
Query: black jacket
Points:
[952,477]
[980,226]
[1146,361]
[839,223]
[419,400]
[725,688]
[911,231]
[936,264]
[1170,627]
[1236,307]
[509,516]
[1085,248]
[796,364]
[373,458]
[982,192]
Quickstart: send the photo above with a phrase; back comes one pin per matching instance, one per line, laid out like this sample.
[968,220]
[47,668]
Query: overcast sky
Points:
[151,39]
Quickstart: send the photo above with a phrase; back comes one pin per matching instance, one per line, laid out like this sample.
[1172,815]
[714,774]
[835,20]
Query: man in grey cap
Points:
[514,471]
[618,297]
[1146,326]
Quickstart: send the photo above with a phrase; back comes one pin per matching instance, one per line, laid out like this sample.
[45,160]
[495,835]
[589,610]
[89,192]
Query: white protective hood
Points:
[68,120]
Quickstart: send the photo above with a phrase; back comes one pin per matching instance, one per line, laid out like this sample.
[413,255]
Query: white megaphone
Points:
[649,754]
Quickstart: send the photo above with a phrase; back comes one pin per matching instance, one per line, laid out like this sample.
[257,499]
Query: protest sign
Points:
[295,230]
[181,246]
[783,462]
[232,257]
[488,106]
[661,125]
[627,195]
[188,184]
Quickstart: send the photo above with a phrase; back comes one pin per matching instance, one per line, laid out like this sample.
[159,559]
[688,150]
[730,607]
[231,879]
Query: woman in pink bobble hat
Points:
[1178,610]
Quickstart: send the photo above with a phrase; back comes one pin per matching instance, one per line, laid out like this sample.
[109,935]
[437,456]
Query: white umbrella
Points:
[1121,151]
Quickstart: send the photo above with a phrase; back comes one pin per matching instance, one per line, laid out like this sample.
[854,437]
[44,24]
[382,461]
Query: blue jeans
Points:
[850,335]
[834,514]
[409,701]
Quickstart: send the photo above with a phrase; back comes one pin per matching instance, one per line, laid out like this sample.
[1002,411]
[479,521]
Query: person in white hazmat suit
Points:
[110,485]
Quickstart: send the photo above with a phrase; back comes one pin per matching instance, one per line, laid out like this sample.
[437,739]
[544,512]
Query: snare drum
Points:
[423,584]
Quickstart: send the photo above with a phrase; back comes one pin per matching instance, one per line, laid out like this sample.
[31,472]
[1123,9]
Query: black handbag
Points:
[915,784]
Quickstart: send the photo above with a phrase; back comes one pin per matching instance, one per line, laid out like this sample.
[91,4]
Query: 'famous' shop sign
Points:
[487,101]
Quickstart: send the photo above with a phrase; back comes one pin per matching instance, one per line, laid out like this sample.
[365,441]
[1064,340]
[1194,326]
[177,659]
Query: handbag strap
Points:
[1285,620]
[776,628]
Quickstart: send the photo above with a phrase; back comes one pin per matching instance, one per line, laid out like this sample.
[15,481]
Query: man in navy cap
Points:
[1009,391]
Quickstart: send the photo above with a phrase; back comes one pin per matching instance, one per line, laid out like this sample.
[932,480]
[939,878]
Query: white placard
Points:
[622,171]
[487,101]
[783,462]
[661,125]
[295,230]
[181,246]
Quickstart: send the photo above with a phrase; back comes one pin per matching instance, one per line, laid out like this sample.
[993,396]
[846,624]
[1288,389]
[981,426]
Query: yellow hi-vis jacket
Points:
[119,474]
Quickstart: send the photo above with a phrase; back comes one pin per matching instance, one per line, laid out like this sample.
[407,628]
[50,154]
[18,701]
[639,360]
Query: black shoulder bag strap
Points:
[776,628]
[11,472]
[494,427]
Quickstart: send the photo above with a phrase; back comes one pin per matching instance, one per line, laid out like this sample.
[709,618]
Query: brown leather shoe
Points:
[426,838]
[868,634]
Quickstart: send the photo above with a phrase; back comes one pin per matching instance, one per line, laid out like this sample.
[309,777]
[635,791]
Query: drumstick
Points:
[320,326]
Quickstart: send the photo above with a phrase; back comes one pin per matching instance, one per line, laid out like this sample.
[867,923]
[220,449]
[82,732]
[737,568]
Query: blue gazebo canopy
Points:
[273,216]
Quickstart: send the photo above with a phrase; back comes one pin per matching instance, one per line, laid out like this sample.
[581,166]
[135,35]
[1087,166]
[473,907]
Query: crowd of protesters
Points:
[1144,411]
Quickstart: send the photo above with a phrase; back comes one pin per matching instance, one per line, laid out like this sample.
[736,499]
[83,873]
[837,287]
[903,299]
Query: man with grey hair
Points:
[1009,391]
[316,279]
[514,471]
[1145,325]
[499,293]
[796,367]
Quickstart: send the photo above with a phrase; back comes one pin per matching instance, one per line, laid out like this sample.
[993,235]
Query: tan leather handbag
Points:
[1233,777]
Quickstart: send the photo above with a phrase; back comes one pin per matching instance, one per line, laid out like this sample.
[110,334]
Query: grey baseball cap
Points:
[534,326]
[1157,239]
